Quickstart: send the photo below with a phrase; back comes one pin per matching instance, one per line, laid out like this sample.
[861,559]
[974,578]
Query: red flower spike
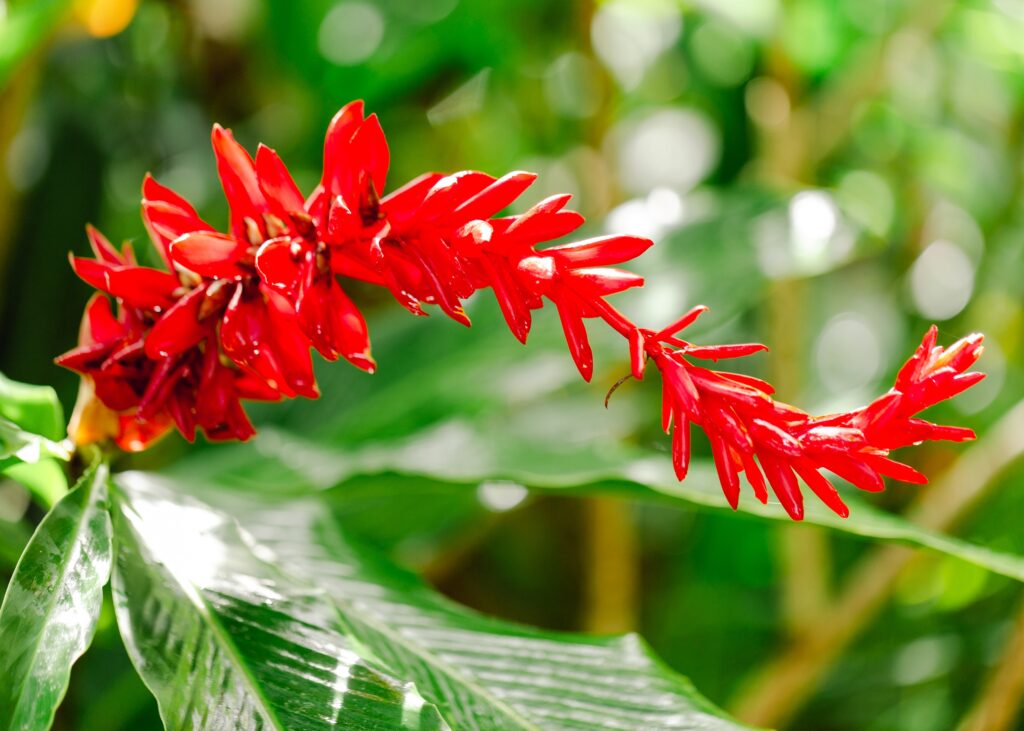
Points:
[738,414]
[235,315]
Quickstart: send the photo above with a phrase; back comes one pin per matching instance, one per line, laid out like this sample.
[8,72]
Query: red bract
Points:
[234,314]
[773,443]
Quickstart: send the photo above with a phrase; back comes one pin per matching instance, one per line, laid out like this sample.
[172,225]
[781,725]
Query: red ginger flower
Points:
[236,314]
[743,422]
[131,397]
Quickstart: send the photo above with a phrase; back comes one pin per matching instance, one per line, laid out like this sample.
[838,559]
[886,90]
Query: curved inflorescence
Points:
[233,315]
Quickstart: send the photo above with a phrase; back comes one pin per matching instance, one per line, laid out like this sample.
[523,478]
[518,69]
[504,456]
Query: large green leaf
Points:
[457,454]
[227,640]
[50,610]
[481,673]
[14,536]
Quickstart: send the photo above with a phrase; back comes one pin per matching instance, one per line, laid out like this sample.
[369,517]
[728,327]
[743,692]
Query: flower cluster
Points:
[234,315]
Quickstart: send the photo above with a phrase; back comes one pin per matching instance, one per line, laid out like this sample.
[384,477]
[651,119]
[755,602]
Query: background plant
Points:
[839,208]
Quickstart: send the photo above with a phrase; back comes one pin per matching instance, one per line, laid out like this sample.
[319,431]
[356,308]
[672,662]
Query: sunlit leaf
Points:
[50,610]
[480,673]
[225,639]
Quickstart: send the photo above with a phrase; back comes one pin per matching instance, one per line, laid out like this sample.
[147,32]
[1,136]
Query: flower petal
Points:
[142,287]
[784,485]
[602,281]
[276,182]
[337,144]
[238,178]
[371,150]
[575,335]
[290,345]
[601,251]
[822,487]
[214,255]
[333,323]
[179,328]
[102,247]
[404,201]
[494,197]
[277,265]
[167,216]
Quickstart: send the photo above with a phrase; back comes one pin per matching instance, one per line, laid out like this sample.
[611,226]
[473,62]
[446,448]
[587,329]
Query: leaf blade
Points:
[480,672]
[286,459]
[50,610]
[249,647]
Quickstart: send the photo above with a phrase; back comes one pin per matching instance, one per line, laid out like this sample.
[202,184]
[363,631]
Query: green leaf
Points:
[35,409]
[32,438]
[293,464]
[51,607]
[226,640]
[14,536]
[44,479]
[481,673]
[27,447]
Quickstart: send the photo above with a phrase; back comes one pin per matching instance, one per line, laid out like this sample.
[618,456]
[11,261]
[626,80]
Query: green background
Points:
[829,176]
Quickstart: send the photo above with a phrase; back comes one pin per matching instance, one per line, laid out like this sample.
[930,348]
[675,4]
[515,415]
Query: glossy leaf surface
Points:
[51,607]
[22,446]
[480,673]
[31,439]
[225,639]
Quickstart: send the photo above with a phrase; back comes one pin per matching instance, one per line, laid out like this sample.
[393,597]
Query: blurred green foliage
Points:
[830,176]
